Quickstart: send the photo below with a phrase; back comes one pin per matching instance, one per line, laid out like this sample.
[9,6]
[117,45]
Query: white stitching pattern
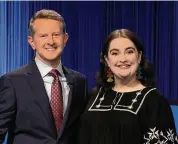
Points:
[98,106]
[160,137]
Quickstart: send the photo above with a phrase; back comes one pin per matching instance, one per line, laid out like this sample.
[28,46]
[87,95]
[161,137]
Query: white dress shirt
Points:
[44,70]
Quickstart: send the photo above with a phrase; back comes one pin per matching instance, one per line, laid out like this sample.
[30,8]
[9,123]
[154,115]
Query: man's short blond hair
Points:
[46,14]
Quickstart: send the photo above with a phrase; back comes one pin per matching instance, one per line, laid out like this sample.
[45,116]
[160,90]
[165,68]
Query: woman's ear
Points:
[139,57]
[106,60]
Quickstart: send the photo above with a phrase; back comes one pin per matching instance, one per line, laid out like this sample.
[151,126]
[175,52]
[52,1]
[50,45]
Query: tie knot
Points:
[54,72]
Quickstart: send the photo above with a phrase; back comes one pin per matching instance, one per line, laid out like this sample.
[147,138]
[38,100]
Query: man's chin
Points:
[54,59]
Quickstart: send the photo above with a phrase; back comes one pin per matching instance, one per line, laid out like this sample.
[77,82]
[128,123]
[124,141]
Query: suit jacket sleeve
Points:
[7,106]
[87,96]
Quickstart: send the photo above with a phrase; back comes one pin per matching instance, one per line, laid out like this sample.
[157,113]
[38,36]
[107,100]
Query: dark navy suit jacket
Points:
[25,111]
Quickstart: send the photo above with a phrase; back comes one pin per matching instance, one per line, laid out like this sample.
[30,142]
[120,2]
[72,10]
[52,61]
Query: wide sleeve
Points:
[7,106]
[159,126]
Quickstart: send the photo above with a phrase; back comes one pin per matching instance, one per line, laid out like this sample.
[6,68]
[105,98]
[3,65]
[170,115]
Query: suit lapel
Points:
[71,84]
[37,86]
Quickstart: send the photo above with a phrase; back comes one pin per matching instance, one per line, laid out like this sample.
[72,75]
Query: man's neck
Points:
[53,64]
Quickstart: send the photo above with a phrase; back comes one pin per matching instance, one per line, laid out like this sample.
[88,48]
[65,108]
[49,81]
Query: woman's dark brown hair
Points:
[148,78]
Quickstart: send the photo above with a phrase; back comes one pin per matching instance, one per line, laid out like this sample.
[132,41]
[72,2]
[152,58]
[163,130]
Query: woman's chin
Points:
[123,76]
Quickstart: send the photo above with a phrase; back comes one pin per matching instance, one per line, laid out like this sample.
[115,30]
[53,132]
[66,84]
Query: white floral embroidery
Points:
[155,136]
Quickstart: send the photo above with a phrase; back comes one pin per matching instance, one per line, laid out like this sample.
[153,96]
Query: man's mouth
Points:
[51,49]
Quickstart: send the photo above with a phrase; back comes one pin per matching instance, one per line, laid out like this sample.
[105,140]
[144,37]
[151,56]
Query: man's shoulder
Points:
[17,72]
[75,73]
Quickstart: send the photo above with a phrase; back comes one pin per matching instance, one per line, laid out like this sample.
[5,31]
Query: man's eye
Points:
[57,35]
[43,36]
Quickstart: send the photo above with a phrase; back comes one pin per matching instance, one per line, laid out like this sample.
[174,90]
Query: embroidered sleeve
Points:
[157,136]
[159,127]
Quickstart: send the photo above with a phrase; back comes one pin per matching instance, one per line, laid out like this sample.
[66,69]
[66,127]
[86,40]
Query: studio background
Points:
[88,24]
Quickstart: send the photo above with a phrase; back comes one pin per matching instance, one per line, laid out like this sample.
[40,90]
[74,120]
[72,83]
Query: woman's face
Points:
[123,58]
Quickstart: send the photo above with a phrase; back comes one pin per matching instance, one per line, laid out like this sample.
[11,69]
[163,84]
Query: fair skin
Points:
[123,59]
[48,41]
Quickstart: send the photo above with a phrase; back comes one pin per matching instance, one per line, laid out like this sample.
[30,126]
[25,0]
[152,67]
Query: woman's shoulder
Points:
[153,93]
[96,90]
[153,97]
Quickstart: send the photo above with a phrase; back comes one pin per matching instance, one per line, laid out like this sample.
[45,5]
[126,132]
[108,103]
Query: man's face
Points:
[48,40]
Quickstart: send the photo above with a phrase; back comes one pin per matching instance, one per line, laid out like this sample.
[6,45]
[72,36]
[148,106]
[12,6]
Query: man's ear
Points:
[66,37]
[31,42]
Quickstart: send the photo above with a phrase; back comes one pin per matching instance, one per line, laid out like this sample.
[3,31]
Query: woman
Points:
[125,108]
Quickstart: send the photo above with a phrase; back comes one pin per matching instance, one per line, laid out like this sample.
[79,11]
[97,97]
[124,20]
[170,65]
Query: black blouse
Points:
[138,117]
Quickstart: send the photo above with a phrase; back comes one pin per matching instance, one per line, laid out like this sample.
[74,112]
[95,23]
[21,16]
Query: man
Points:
[41,102]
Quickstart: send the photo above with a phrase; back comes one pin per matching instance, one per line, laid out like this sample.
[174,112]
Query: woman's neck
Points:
[128,84]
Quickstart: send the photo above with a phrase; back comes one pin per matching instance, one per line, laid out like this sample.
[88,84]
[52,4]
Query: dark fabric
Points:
[25,109]
[138,117]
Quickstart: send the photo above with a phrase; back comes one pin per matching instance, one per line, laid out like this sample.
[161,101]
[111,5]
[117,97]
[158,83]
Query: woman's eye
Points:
[114,53]
[130,52]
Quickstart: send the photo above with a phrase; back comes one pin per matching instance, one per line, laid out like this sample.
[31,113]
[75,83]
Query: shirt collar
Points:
[45,69]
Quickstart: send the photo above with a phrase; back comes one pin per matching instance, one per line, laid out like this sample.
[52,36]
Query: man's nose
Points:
[50,40]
